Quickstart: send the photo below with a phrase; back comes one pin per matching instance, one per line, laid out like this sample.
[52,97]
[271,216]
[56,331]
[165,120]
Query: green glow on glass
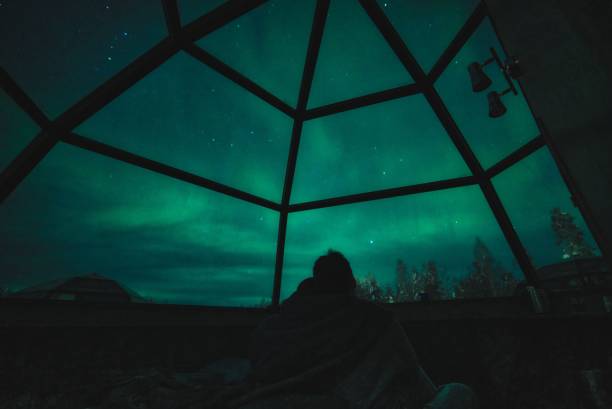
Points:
[440,226]
[61,52]
[372,148]
[80,213]
[268,45]
[354,58]
[186,115]
[427,27]
[189,10]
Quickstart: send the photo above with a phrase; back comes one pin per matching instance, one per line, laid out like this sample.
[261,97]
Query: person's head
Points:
[332,273]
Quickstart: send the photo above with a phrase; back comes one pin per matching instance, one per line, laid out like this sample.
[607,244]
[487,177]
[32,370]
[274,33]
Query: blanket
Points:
[336,346]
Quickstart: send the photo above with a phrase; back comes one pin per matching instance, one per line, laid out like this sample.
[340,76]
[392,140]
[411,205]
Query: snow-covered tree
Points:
[369,289]
[416,283]
[389,295]
[507,284]
[403,289]
[431,281]
[487,278]
[569,236]
[408,285]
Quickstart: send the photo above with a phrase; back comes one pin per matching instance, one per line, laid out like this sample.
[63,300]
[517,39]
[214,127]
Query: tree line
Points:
[486,276]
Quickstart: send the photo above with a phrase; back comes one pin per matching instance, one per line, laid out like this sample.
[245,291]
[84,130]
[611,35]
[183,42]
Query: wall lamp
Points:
[480,81]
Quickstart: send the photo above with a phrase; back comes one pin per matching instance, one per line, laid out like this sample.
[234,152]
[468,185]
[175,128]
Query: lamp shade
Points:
[496,106]
[480,80]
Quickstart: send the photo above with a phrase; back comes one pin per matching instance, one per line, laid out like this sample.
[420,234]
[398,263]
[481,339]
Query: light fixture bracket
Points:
[505,71]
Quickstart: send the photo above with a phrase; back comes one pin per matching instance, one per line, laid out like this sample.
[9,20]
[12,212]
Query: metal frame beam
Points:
[362,101]
[21,166]
[218,17]
[24,163]
[157,167]
[397,44]
[516,156]
[118,84]
[171,14]
[23,100]
[314,44]
[470,26]
[385,193]
[228,72]
[79,112]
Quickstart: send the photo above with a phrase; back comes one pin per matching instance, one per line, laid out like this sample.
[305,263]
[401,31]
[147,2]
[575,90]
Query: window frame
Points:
[183,37]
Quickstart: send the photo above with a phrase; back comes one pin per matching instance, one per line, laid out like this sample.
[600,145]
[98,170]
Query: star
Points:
[371,241]
[109,58]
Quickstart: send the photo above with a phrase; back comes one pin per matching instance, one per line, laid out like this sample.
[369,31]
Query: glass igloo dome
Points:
[206,152]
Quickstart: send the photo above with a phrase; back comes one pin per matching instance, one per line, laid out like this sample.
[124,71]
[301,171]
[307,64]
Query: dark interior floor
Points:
[62,355]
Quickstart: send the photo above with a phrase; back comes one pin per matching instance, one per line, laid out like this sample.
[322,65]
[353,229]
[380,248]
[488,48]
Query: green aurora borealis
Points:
[79,212]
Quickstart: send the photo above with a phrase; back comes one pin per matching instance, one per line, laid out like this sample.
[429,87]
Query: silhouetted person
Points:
[325,342]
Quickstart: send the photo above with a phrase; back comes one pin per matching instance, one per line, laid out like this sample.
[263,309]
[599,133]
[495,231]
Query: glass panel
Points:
[188,116]
[16,130]
[540,207]
[354,58]
[192,9]
[428,27]
[59,51]
[452,232]
[396,143]
[491,139]
[80,213]
[268,45]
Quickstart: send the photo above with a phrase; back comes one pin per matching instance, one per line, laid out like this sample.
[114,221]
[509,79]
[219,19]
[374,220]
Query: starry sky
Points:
[80,213]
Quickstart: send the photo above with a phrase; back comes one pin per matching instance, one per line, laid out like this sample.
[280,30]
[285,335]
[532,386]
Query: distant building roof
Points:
[92,287]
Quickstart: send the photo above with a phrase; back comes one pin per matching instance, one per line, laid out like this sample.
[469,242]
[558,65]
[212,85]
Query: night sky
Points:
[79,212]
